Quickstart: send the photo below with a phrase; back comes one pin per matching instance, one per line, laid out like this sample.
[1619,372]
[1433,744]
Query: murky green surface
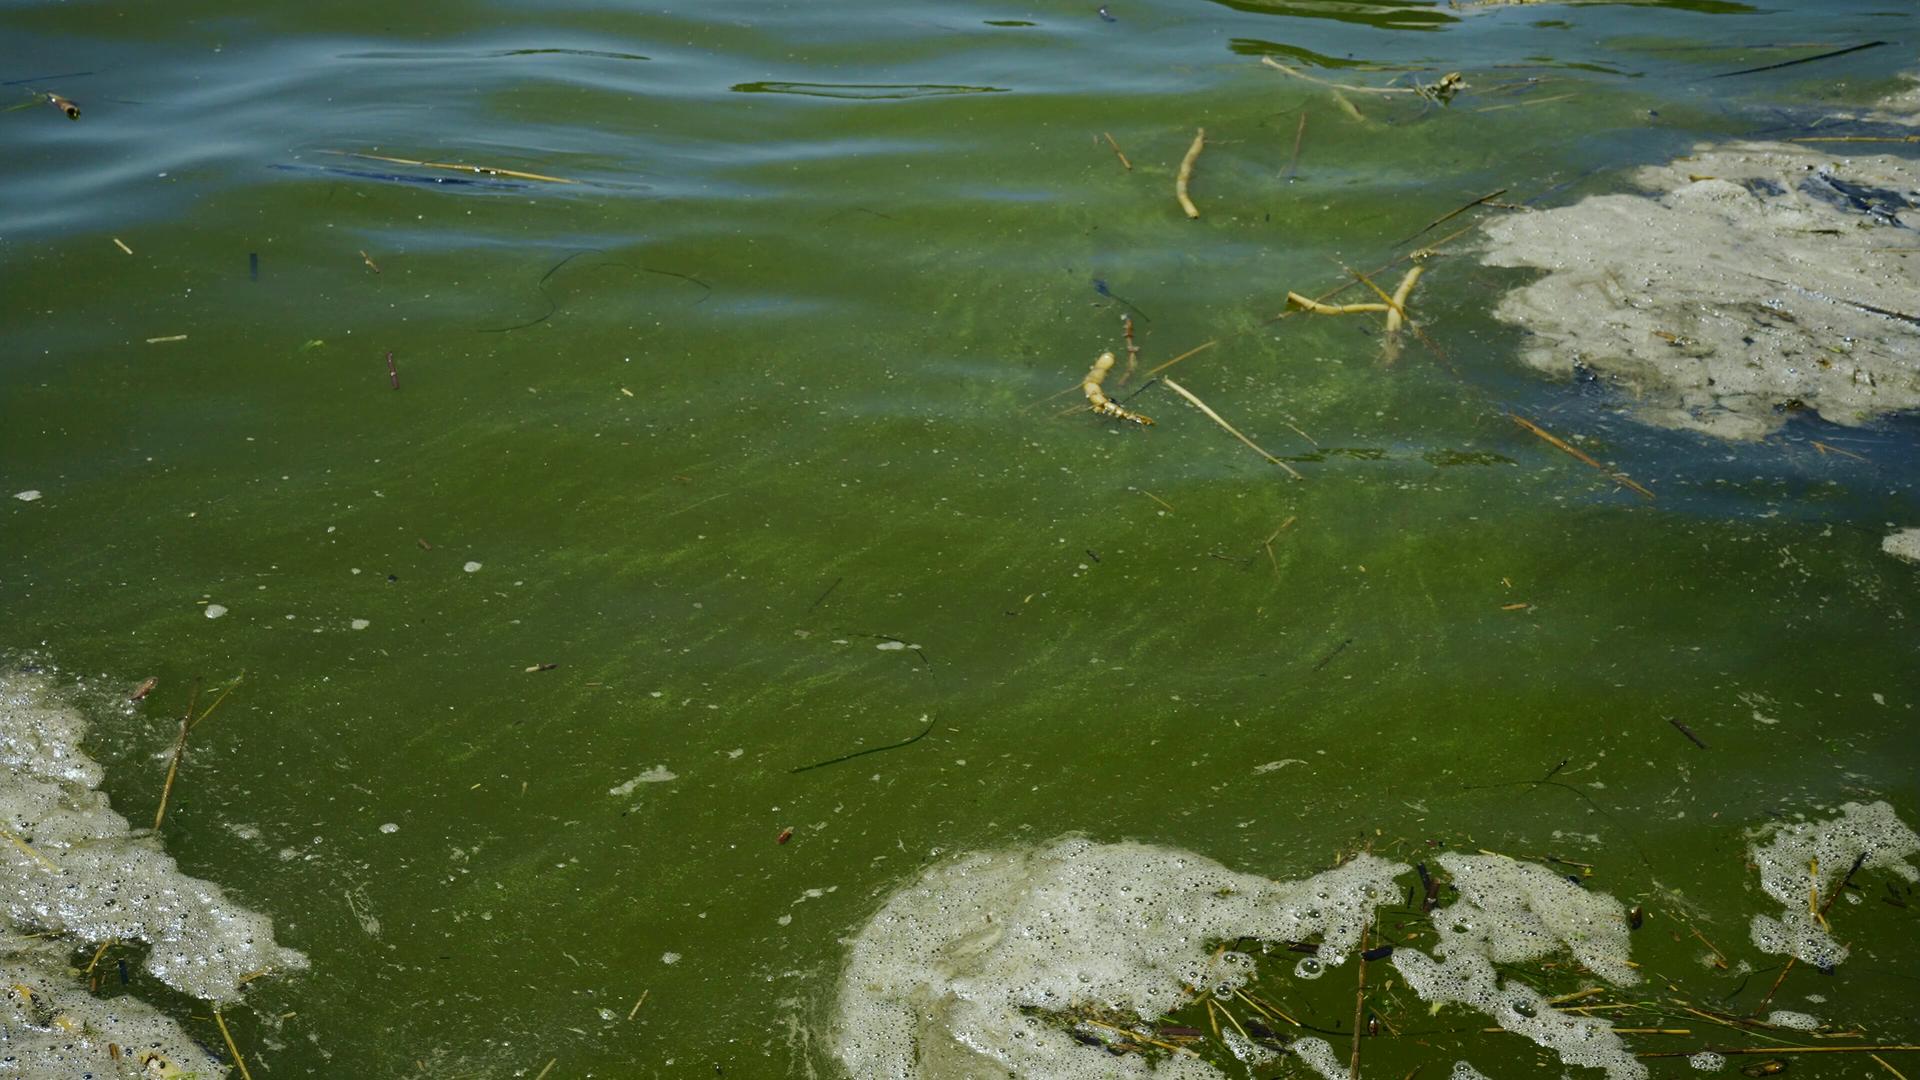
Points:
[765,395]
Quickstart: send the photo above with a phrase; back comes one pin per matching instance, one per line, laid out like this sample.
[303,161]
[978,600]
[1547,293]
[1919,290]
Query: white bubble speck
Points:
[361,624]
[390,827]
[26,496]
[214,611]
[472,568]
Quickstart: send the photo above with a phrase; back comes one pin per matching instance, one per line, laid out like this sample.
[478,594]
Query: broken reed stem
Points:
[1359,1005]
[1299,134]
[1186,173]
[478,170]
[636,1005]
[1883,1064]
[1230,429]
[1399,299]
[231,1049]
[1298,74]
[1455,213]
[1305,303]
[548,1069]
[187,724]
[1906,1048]
[1775,988]
[1117,153]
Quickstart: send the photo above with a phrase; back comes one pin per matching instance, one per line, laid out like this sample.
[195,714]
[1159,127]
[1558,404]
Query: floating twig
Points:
[548,1069]
[1559,444]
[30,850]
[478,170]
[1688,732]
[393,373]
[368,259]
[1185,175]
[1337,650]
[65,106]
[822,598]
[1164,503]
[1299,134]
[1825,449]
[163,340]
[635,1011]
[1230,429]
[1099,402]
[1117,153]
[1359,1003]
[1450,215]
[231,1048]
[117,242]
[187,723]
[1752,1050]
[1858,138]
[870,750]
[1803,60]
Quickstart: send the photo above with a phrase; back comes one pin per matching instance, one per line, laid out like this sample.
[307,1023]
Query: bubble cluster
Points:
[952,976]
[1805,861]
[1508,912]
[76,874]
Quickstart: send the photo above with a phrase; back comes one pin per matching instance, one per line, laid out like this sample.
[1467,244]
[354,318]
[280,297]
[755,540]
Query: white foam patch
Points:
[91,880]
[53,1027]
[1464,1070]
[1904,544]
[1316,1054]
[76,875]
[1807,854]
[1707,1061]
[1753,279]
[957,972]
[1509,912]
[659,774]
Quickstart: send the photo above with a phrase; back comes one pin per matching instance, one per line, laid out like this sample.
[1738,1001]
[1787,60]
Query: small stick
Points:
[231,1049]
[1688,732]
[1117,153]
[1230,429]
[393,373]
[1858,138]
[822,598]
[1133,350]
[1299,134]
[1186,173]
[1156,498]
[179,747]
[1775,988]
[1456,213]
[548,1069]
[170,337]
[1883,1064]
[636,1005]
[368,259]
[123,247]
[928,730]
[1825,449]
[1802,60]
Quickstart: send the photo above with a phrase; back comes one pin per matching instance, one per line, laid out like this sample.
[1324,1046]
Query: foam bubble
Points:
[1316,1054]
[1464,1070]
[1868,833]
[1707,1061]
[968,969]
[1798,1021]
[53,1027]
[1511,911]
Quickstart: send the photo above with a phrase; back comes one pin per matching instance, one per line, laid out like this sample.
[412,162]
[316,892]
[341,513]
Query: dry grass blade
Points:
[1185,176]
[1455,213]
[1230,429]
[238,1061]
[29,849]
[477,170]
[1117,153]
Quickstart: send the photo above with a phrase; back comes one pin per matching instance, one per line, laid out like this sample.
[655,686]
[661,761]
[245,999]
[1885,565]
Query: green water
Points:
[766,394]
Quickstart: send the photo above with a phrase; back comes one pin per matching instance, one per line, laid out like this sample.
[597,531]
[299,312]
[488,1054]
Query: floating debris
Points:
[1185,176]
[1099,402]
[29,495]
